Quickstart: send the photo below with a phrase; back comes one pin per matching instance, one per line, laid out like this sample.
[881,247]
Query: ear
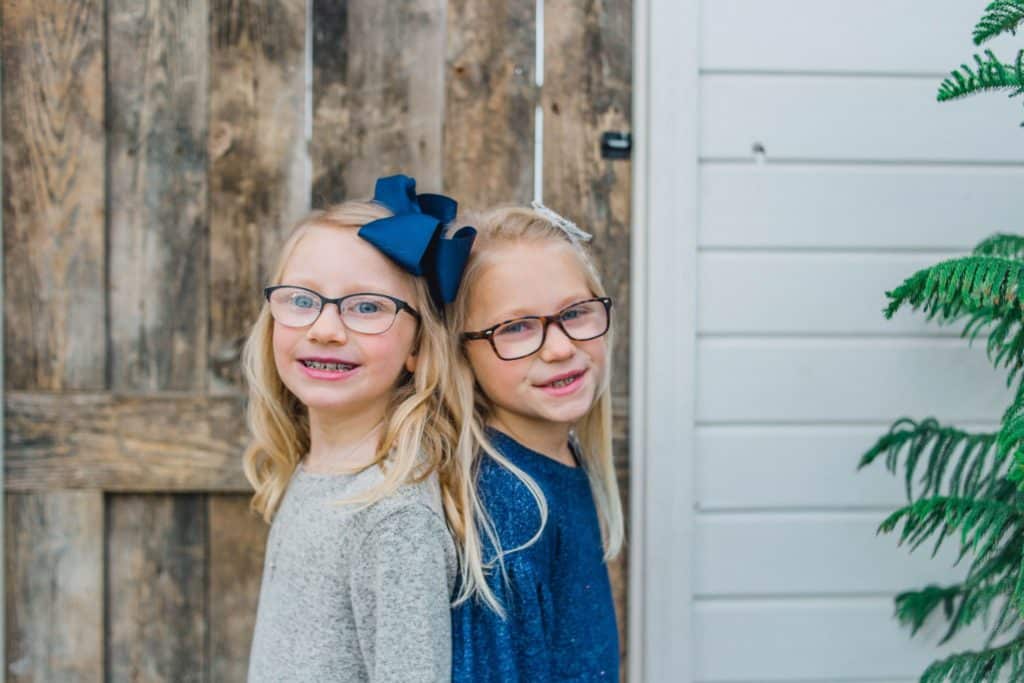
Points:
[410,362]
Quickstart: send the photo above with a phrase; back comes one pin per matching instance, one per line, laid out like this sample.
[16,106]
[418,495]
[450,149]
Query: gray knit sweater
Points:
[353,594]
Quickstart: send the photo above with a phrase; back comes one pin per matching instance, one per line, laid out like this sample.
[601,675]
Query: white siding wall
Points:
[865,179]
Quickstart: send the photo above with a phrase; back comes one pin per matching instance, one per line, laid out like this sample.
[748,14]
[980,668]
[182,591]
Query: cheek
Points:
[283,340]
[497,377]
[389,350]
[597,349]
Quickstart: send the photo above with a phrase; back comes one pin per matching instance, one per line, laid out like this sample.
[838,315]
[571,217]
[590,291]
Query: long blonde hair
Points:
[471,410]
[418,435]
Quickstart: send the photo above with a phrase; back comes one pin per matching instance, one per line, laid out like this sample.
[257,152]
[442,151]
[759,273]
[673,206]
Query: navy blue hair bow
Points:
[412,237]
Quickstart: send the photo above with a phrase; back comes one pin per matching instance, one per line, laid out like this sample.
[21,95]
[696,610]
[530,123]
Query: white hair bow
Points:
[568,227]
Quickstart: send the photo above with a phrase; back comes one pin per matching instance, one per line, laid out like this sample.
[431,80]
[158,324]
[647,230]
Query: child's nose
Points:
[557,345]
[328,327]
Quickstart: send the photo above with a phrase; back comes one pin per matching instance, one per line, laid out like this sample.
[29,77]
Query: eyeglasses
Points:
[521,337]
[363,312]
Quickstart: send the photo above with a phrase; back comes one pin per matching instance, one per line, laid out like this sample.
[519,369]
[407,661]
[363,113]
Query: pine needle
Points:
[988,74]
[1001,16]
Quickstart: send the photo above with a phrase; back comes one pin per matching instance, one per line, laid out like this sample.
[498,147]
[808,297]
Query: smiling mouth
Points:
[564,382]
[336,367]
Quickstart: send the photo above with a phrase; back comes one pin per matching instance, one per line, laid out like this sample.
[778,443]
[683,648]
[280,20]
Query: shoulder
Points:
[512,507]
[409,519]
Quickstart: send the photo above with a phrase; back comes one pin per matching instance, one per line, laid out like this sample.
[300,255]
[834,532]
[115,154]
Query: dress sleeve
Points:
[401,597]
[510,650]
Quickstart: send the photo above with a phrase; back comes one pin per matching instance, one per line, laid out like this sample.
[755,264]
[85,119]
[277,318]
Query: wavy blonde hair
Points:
[472,409]
[418,435]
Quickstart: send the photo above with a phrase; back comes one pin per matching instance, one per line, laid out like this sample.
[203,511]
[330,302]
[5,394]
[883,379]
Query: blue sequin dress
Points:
[560,623]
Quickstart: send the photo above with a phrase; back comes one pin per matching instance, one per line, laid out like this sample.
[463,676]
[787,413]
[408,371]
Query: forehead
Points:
[526,278]
[336,261]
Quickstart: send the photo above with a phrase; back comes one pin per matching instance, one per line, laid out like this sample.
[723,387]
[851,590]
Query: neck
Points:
[339,442]
[547,438]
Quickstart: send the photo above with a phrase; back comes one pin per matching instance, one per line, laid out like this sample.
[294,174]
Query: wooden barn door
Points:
[154,153]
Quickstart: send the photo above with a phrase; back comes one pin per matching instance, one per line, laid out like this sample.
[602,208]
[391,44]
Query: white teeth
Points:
[563,382]
[337,367]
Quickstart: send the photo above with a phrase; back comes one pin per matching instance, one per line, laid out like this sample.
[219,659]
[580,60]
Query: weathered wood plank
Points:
[490,100]
[53,210]
[258,162]
[156,570]
[53,564]
[378,94]
[157,85]
[237,543]
[142,443]
[587,90]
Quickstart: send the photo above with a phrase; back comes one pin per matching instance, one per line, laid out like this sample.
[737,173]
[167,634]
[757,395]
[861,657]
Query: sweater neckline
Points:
[513,448]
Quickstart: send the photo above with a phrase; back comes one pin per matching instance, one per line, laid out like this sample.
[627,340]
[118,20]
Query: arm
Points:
[400,597]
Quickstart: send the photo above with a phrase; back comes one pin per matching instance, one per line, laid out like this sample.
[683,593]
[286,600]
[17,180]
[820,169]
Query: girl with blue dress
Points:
[538,512]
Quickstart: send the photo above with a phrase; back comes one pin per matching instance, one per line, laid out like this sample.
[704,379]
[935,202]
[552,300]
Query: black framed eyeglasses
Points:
[363,312]
[522,337]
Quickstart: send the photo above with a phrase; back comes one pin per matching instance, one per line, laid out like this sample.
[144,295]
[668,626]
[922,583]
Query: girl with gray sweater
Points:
[345,366]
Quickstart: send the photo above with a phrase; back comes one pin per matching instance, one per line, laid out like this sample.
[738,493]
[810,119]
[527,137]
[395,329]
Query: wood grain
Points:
[237,542]
[53,565]
[490,101]
[141,443]
[258,163]
[156,570]
[53,204]
[157,88]
[378,95]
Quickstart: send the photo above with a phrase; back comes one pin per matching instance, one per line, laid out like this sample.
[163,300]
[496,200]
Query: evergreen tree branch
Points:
[990,74]
[980,667]
[982,523]
[1000,16]
[955,463]
[1002,245]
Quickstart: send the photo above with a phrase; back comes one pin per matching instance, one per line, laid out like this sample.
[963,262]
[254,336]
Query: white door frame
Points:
[663,338]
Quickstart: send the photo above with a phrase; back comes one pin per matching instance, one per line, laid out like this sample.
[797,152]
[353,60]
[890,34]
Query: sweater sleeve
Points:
[400,597]
[513,649]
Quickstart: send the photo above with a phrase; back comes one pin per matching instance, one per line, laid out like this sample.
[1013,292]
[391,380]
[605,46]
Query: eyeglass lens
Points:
[365,313]
[522,337]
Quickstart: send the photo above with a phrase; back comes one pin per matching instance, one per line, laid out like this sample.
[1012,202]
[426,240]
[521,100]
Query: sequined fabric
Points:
[560,622]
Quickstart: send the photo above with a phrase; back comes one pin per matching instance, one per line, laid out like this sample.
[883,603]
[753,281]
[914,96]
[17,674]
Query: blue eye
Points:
[367,307]
[517,327]
[304,301]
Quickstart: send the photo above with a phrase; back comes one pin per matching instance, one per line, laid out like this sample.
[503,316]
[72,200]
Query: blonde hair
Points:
[471,409]
[418,436]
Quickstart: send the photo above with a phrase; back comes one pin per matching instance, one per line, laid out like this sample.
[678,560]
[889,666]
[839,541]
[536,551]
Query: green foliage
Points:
[962,487]
[984,289]
[978,667]
[1002,245]
[939,459]
[988,74]
[1001,16]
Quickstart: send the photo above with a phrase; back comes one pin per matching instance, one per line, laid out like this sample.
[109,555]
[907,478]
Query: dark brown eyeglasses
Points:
[522,337]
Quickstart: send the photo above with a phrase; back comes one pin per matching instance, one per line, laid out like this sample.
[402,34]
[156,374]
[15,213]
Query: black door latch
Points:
[616,145]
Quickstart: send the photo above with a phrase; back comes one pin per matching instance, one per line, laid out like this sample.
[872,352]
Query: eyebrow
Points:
[359,288]
[524,313]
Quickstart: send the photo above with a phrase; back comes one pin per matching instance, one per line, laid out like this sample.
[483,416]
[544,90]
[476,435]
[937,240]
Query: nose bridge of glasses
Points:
[336,321]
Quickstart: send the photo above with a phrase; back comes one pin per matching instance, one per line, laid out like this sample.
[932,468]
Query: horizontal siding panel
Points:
[857,207]
[794,553]
[807,293]
[811,380]
[856,118]
[837,35]
[790,467]
[833,640]
[794,467]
